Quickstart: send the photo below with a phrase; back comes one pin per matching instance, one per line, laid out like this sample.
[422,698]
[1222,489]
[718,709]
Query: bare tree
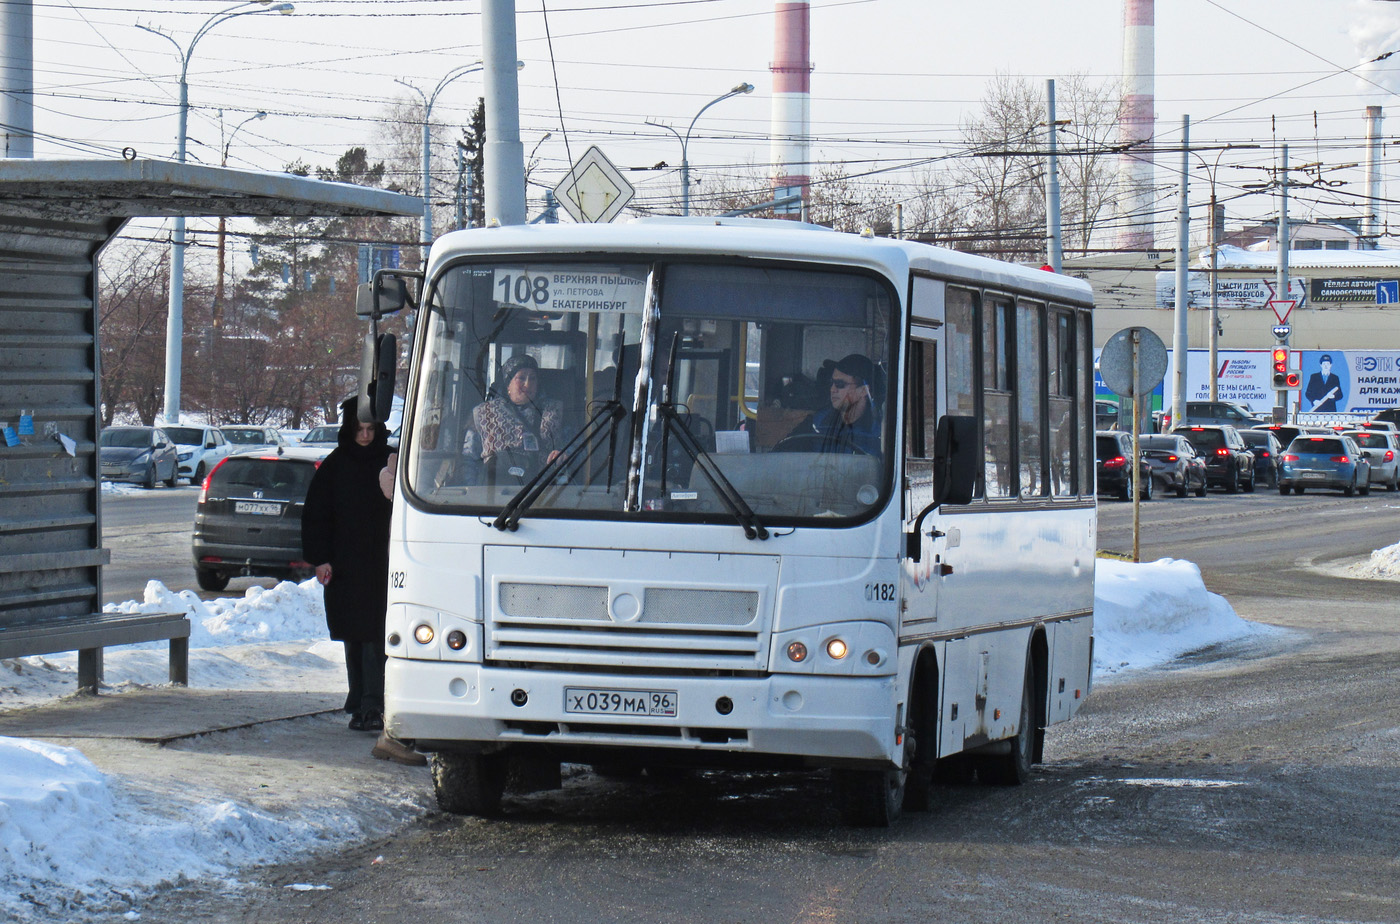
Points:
[1088,171]
[132,304]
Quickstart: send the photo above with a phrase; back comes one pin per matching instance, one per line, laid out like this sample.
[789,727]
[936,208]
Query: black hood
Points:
[349,423]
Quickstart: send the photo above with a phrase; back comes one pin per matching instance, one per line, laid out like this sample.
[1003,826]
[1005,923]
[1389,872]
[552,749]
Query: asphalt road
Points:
[149,535]
[1249,783]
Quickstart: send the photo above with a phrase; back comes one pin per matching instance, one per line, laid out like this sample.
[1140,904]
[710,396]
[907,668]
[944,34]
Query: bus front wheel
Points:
[873,798]
[468,784]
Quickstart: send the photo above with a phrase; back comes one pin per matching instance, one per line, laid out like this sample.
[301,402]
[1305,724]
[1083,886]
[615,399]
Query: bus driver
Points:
[852,423]
[515,427]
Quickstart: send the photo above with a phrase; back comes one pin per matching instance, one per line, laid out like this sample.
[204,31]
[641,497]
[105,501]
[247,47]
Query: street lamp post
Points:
[1211,170]
[219,285]
[428,100]
[175,320]
[685,141]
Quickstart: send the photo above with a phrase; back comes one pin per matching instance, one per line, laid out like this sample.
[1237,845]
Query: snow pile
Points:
[1150,613]
[1384,564]
[285,612]
[72,836]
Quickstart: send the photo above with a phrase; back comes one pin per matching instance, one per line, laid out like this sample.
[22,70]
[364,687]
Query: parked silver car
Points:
[141,455]
[1382,450]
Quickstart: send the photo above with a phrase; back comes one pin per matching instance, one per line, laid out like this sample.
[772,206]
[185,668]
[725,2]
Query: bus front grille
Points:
[652,627]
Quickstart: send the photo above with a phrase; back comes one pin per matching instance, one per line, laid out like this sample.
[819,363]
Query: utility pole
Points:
[1054,248]
[1281,395]
[1214,300]
[17,77]
[1180,341]
[503,151]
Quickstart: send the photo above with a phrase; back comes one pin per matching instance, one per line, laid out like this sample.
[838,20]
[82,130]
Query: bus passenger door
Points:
[922,408]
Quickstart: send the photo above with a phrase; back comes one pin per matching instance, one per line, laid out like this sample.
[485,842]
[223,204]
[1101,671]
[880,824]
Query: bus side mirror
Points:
[386,294]
[955,460]
[378,362]
[956,456]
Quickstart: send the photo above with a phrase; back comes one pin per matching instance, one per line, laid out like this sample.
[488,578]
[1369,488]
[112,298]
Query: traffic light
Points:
[1280,367]
[1295,378]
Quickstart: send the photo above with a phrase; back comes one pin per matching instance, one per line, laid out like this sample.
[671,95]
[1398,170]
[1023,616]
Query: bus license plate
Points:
[594,701]
[266,509]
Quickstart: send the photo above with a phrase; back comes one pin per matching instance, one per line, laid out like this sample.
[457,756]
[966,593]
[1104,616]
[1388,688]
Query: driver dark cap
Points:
[860,367]
[1326,358]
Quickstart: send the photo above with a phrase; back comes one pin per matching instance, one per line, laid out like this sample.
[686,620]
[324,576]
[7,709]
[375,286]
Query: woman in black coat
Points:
[345,535]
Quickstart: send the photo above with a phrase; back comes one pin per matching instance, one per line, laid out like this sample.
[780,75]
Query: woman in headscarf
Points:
[852,423]
[515,424]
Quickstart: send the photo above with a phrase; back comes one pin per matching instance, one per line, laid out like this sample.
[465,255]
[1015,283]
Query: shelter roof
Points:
[82,189]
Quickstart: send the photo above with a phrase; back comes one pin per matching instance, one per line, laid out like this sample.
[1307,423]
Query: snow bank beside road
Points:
[1149,613]
[1384,564]
[282,613]
[72,837]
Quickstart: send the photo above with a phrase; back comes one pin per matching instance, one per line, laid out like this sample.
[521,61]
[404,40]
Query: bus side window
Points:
[922,412]
[1062,419]
[960,346]
[998,438]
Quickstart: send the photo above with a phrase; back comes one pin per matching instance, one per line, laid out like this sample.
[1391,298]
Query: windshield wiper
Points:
[724,488]
[509,518]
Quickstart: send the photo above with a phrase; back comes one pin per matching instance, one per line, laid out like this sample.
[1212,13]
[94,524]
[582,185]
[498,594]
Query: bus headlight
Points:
[430,634]
[861,649]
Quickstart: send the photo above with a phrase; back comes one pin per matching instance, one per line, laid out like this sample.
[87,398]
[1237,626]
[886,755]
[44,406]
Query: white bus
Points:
[685,545]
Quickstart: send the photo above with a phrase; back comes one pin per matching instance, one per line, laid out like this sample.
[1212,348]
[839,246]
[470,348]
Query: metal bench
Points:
[88,635]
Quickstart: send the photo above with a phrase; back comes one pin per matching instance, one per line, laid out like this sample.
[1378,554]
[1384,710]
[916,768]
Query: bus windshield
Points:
[658,390]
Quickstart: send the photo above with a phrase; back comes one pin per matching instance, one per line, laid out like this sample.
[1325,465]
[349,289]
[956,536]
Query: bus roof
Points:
[764,238]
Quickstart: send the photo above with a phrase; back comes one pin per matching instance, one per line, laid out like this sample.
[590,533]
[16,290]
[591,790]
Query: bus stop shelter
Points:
[55,219]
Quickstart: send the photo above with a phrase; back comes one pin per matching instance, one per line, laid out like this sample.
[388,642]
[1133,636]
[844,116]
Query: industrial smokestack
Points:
[1371,227]
[1136,127]
[792,105]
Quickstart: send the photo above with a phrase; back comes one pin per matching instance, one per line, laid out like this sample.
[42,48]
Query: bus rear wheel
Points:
[1014,768]
[468,784]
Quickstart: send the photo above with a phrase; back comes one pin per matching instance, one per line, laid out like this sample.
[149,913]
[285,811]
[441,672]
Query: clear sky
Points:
[893,79]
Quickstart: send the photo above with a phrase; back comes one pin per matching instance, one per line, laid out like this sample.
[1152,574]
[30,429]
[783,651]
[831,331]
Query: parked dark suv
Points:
[1229,463]
[248,521]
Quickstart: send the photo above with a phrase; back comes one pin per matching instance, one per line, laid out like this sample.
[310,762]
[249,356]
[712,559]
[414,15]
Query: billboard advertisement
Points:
[1357,381]
[1230,294]
[1334,381]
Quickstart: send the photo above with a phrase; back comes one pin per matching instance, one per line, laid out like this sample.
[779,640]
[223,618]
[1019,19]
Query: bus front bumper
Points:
[822,718]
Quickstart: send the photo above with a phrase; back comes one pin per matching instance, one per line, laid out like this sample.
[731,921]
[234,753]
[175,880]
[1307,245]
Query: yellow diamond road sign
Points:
[594,190]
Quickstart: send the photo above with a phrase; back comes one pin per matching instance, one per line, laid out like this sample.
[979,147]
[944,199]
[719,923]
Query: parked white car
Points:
[200,449]
[250,439]
[1382,449]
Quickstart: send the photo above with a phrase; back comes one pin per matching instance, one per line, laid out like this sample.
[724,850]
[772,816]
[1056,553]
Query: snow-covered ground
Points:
[1384,564]
[68,829]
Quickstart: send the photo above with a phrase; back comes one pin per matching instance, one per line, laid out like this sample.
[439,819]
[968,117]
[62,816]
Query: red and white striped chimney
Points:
[1137,198]
[1375,144]
[792,104]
